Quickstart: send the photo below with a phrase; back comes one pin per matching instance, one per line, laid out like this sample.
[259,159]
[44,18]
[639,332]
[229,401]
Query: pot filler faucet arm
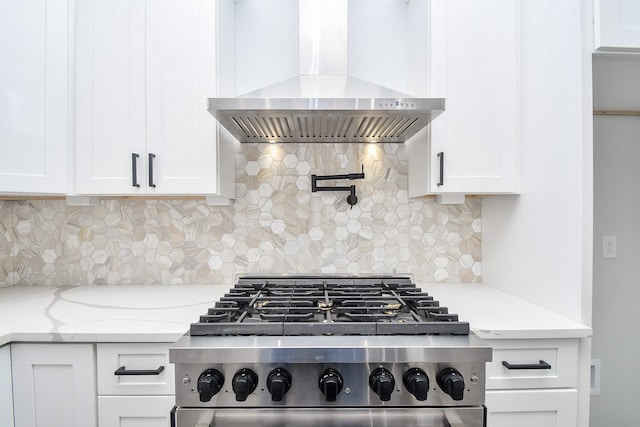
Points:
[352,199]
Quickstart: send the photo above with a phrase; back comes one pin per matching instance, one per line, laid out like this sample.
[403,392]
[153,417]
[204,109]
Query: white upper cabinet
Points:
[617,25]
[34,96]
[110,99]
[473,62]
[144,72]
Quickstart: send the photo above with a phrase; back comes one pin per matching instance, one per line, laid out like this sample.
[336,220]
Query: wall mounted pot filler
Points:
[352,199]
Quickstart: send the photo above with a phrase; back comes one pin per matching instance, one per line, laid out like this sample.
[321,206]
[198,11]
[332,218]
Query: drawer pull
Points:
[441,176]
[122,371]
[541,365]
[134,169]
[151,158]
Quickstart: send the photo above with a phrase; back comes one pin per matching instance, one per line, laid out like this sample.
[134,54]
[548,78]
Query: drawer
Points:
[532,408]
[533,364]
[134,411]
[143,369]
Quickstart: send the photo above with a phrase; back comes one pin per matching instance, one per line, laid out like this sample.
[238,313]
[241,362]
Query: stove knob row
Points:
[244,383]
[209,384]
[416,382]
[381,381]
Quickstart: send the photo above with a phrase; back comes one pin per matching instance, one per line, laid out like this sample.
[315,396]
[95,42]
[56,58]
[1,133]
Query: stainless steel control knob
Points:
[451,382]
[278,383]
[382,383]
[244,382]
[209,384]
[416,382]
[330,383]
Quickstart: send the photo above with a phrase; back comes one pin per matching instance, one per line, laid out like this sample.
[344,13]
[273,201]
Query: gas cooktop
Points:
[327,305]
[329,350]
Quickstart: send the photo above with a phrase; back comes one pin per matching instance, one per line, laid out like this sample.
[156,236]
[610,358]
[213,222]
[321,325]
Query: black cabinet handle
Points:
[541,365]
[122,371]
[151,157]
[441,178]
[134,169]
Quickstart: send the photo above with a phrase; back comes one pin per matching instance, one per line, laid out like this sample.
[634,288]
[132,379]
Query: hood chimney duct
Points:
[323,103]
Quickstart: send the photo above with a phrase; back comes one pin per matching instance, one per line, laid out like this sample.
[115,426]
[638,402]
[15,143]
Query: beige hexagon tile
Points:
[275,226]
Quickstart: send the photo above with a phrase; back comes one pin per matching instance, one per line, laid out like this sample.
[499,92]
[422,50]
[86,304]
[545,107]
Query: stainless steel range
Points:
[329,351]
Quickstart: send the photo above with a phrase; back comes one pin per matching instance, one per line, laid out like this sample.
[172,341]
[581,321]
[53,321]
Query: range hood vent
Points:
[331,107]
[256,118]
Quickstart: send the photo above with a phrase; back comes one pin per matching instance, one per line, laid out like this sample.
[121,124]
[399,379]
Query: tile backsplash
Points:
[276,225]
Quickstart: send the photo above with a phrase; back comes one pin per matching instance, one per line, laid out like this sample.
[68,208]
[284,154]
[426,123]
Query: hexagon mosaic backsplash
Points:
[276,225]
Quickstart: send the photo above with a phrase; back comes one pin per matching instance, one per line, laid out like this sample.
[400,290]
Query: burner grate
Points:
[327,306]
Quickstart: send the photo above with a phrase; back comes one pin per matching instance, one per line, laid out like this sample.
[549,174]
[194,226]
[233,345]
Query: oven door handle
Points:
[541,365]
[452,419]
[467,416]
[123,371]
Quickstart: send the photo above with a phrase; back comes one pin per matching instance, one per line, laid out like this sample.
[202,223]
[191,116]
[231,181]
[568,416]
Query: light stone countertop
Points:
[494,314]
[145,313]
[163,313]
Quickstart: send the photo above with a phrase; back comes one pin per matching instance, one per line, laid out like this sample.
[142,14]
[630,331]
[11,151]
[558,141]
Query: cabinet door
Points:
[54,385]
[135,411]
[474,66]
[33,96]
[180,77]
[532,408]
[110,96]
[617,25]
[6,402]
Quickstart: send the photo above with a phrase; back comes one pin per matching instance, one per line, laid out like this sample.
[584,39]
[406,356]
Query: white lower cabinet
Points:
[135,385]
[6,393]
[54,385]
[533,383]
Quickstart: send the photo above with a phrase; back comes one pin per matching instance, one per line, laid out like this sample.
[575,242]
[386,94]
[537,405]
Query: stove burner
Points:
[286,317]
[327,306]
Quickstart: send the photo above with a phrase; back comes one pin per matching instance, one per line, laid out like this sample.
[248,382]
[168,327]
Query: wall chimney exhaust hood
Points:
[323,103]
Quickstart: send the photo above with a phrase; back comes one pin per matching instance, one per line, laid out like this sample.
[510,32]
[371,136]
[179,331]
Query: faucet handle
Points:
[352,199]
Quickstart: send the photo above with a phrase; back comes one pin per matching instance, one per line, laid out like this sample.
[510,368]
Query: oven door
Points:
[331,417]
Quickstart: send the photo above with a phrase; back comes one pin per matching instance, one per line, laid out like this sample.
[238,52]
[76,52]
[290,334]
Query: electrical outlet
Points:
[609,249]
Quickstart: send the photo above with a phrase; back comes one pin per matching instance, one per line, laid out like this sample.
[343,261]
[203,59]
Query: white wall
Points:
[538,245]
[378,45]
[266,43]
[616,292]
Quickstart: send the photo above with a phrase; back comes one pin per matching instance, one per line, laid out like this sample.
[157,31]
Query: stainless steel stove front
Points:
[356,393]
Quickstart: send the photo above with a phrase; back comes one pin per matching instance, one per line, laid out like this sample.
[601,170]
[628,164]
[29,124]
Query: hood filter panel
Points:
[324,126]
